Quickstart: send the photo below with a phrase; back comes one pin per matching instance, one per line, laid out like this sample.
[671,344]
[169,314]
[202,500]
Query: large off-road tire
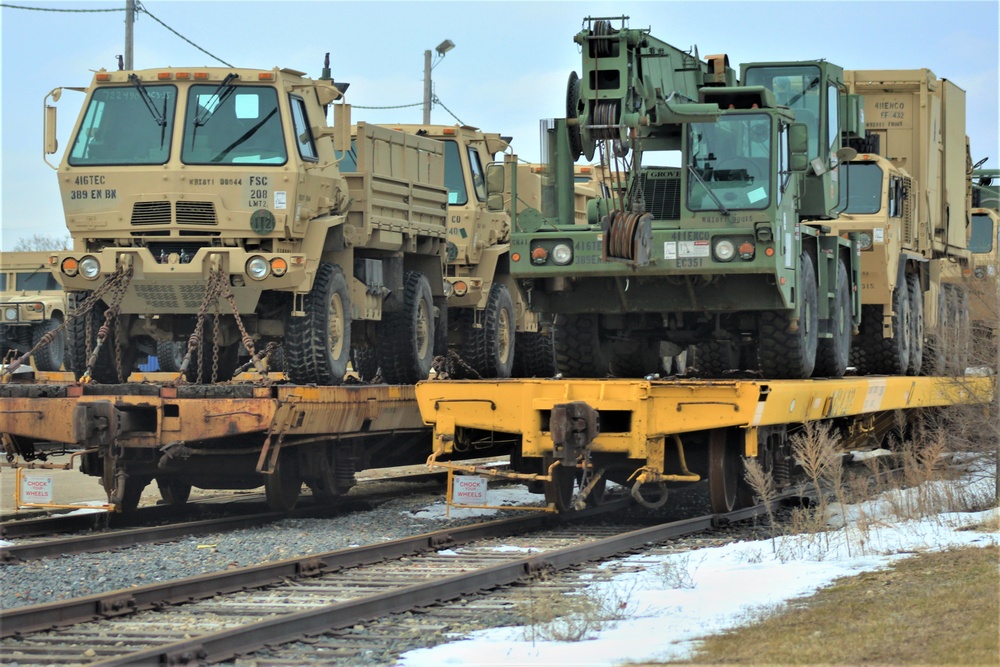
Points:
[405,346]
[534,355]
[712,358]
[490,350]
[833,354]
[958,330]
[318,345]
[936,348]
[784,353]
[79,345]
[636,357]
[52,356]
[228,361]
[916,361]
[170,355]
[873,354]
[580,352]
[364,362]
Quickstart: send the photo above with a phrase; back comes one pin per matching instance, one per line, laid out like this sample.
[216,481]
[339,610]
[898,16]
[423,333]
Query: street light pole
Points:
[427,87]
[129,22]
[442,48]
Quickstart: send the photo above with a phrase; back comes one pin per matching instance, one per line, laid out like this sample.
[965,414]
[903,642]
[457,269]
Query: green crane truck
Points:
[708,244]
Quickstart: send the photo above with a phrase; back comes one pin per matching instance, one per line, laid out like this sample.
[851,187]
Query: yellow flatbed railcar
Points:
[566,433]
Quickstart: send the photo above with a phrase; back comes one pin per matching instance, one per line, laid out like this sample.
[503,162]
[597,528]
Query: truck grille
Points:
[662,196]
[187,213]
[151,213]
[162,297]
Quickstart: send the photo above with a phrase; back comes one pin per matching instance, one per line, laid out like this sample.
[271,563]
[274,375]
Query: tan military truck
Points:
[209,206]
[32,304]
[906,194]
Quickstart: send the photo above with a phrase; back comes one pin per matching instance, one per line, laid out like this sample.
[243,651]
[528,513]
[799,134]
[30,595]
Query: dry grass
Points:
[938,608]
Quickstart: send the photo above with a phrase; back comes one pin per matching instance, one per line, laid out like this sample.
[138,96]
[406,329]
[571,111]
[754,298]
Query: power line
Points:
[139,7]
[438,101]
[398,106]
[50,9]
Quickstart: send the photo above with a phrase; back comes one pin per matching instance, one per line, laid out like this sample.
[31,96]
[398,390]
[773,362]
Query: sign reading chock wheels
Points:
[36,489]
[468,490]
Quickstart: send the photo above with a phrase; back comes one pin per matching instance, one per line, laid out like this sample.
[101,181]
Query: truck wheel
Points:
[935,356]
[173,492]
[364,363]
[170,355]
[916,324]
[79,346]
[791,354]
[229,358]
[580,353]
[318,345]
[714,357]
[490,350]
[406,338]
[635,357]
[534,355]
[52,356]
[833,354]
[873,354]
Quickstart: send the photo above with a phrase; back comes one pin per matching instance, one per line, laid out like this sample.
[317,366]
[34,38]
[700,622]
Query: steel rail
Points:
[34,618]
[228,644]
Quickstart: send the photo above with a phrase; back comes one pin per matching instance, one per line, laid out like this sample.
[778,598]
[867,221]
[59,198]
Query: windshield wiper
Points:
[711,193]
[812,84]
[207,113]
[246,135]
[159,117]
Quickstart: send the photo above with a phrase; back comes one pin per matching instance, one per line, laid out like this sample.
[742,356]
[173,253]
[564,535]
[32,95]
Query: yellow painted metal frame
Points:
[658,409]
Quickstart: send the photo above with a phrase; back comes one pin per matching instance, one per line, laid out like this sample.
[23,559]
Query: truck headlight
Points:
[724,250]
[90,268]
[10,314]
[258,268]
[562,254]
[865,240]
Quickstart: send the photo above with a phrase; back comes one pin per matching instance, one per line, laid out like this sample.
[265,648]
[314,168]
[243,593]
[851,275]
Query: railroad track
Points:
[243,610]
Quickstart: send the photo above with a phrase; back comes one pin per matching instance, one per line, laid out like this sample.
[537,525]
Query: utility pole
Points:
[129,21]
[427,87]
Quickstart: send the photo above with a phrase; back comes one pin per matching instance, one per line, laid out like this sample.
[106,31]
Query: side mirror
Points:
[798,147]
[341,127]
[494,203]
[51,141]
[495,179]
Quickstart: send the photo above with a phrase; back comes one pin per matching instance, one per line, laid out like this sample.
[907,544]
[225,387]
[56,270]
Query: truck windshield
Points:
[796,87]
[982,233]
[238,127]
[454,176]
[862,188]
[118,127]
[38,280]
[731,163]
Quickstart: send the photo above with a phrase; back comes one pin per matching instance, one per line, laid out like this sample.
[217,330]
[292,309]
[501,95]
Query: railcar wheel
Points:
[559,491]
[597,493]
[833,354]
[724,470]
[173,492]
[406,338]
[283,485]
[784,351]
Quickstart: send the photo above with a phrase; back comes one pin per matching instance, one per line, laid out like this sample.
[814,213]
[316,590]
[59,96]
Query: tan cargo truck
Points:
[32,304]
[209,206]
[907,195]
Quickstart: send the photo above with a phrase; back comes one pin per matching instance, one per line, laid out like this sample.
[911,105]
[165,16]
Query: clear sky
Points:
[508,69]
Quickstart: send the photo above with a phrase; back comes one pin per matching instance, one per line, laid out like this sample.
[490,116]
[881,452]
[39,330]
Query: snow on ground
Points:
[673,600]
